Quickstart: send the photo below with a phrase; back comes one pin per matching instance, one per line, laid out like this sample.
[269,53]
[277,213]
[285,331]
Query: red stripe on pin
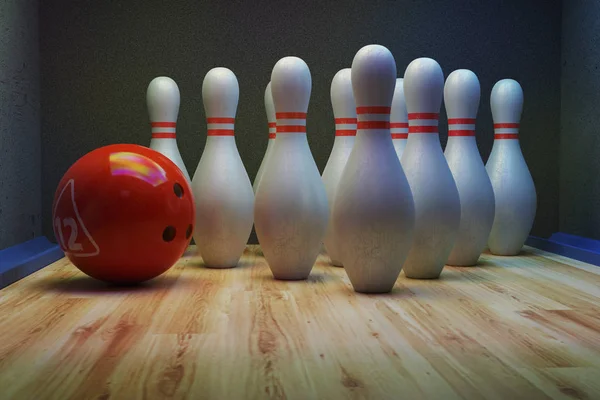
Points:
[412,116]
[163,135]
[461,121]
[506,136]
[271,136]
[373,110]
[345,120]
[291,129]
[220,132]
[423,129]
[399,135]
[510,125]
[272,124]
[399,125]
[163,124]
[345,132]
[373,125]
[290,115]
[461,132]
[220,120]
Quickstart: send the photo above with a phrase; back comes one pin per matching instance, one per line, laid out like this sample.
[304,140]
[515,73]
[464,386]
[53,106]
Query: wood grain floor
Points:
[525,327]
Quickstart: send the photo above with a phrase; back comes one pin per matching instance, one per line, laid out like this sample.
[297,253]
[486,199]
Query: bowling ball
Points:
[123,214]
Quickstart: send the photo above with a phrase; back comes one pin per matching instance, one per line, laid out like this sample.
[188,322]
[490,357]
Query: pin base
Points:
[373,289]
[220,266]
[462,263]
[509,253]
[423,276]
[220,262]
[290,277]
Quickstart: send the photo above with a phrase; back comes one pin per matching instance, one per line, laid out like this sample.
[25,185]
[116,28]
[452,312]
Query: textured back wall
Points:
[580,119]
[20,154]
[100,56]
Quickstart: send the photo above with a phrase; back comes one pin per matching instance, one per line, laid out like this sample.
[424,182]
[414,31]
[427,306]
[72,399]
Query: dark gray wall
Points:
[580,119]
[99,57]
[20,155]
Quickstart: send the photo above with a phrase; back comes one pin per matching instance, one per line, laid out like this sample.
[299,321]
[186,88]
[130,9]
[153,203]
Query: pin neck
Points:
[291,122]
[461,127]
[272,130]
[345,126]
[344,139]
[342,142]
[512,146]
[220,143]
[374,118]
[163,130]
[423,123]
[219,138]
[220,126]
[506,130]
[399,130]
[291,141]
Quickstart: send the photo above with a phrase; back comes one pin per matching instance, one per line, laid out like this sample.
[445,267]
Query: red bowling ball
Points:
[123,214]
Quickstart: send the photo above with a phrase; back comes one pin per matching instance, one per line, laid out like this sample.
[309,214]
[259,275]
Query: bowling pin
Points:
[399,119]
[291,210]
[271,121]
[437,205]
[344,112]
[162,99]
[461,97]
[514,190]
[222,190]
[373,211]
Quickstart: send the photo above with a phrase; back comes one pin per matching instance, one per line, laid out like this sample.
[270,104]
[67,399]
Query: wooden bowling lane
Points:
[525,327]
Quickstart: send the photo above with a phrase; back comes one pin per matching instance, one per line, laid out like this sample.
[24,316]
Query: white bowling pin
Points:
[344,112]
[222,190]
[373,211]
[291,210]
[461,97]
[162,99]
[270,108]
[399,119]
[437,205]
[514,190]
